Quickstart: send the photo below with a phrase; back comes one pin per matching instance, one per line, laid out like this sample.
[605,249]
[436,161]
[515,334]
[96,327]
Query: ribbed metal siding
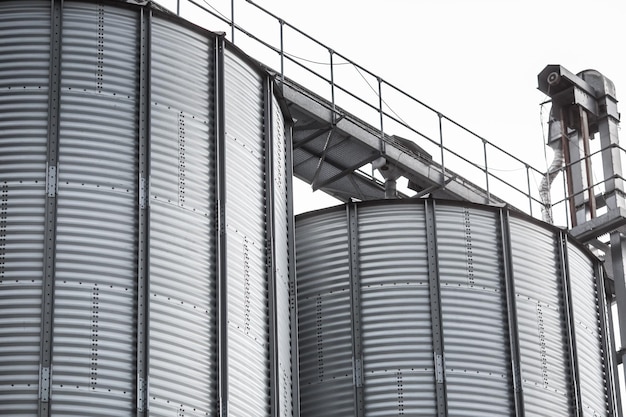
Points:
[283,261]
[248,350]
[326,371]
[474,312]
[541,321]
[23,122]
[591,365]
[395,329]
[398,369]
[94,349]
[182,205]
[94,340]
[24,61]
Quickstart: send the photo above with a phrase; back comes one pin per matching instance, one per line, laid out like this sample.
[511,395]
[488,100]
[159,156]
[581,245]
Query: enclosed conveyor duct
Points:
[434,308]
[144,220]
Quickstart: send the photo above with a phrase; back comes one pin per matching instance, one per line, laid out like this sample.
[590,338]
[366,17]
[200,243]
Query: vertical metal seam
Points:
[143,255]
[54,102]
[607,344]
[222,290]
[270,247]
[569,323]
[293,287]
[435,310]
[355,310]
[509,287]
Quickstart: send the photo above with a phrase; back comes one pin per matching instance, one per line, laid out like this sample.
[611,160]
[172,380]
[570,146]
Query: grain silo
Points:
[434,308]
[144,218]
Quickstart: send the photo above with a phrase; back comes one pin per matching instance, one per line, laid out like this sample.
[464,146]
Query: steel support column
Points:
[50,216]
[293,287]
[618,258]
[608,127]
[220,238]
[608,344]
[511,309]
[270,247]
[355,310]
[576,401]
[435,310]
[143,239]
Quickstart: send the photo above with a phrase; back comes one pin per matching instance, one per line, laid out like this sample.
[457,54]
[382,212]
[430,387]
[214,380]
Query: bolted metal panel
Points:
[324,319]
[293,286]
[181,114]
[23,138]
[476,254]
[245,211]
[282,262]
[436,320]
[95,293]
[143,219]
[108,201]
[355,309]
[182,374]
[475,327]
[24,92]
[398,362]
[541,321]
[511,313]
[592,366]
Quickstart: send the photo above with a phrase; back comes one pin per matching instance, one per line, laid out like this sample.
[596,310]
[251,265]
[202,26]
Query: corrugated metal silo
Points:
[425,308]
[144,251]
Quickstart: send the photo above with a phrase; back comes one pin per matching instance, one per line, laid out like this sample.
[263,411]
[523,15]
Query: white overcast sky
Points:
[476,61]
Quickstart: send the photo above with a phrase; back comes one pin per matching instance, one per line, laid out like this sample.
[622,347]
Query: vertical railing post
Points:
[530,199]
[232,21]
[486,170]
[282,54]
[380,112]
[441,149]
[332,84]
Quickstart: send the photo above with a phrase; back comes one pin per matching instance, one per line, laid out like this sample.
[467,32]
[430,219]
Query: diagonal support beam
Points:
[353,179]
[311,137]
[345,172]
[322,157]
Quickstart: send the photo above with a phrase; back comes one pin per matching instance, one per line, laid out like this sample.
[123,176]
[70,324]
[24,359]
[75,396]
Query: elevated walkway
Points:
[340,131]
[331,148]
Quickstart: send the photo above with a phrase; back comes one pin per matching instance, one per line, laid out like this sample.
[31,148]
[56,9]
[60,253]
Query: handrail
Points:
[384,110]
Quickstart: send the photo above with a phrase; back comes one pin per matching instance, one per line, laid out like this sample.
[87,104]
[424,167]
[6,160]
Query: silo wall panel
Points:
[182,371]
[282,261]
[592,367]
[324,327]
[130,210]
[541,319]
[477,358]
[245,213]
[398,368]
[502,284]
[95,284]
[24,61]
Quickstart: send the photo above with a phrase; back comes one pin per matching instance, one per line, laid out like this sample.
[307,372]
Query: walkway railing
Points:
[297,56]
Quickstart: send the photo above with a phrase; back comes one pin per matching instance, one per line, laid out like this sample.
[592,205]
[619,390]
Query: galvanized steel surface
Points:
[593,367]
[23,137]
[283,260]
[99,194]
[248,332]
[324,321]
[182,358]
[399,371]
